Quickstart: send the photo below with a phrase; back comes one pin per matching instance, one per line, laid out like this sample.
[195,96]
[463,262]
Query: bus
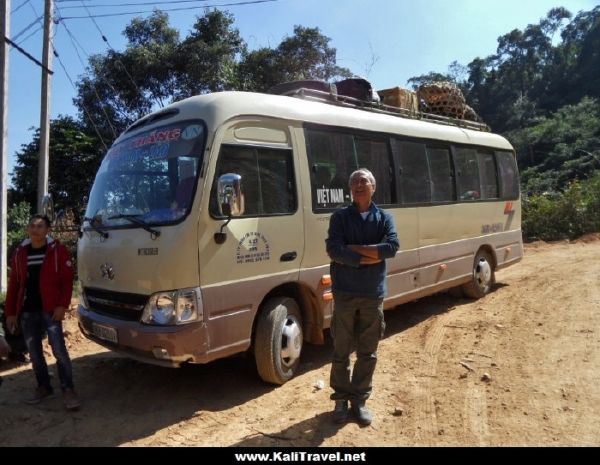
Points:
[204,234]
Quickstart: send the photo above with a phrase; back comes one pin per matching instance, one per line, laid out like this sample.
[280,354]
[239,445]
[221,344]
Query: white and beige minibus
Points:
[205,229]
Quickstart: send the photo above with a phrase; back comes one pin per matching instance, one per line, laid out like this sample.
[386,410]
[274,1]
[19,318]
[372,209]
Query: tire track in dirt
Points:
[475,408]
[426,372]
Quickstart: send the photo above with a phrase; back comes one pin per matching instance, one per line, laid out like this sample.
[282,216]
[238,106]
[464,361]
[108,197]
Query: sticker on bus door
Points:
[252,248]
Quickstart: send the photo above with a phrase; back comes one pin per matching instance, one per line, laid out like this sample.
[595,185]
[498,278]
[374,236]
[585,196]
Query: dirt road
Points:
[519,367]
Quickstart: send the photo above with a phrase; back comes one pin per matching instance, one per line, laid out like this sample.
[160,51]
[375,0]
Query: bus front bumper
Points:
[168,346]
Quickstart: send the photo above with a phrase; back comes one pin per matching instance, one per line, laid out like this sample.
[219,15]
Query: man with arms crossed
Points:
[361,236]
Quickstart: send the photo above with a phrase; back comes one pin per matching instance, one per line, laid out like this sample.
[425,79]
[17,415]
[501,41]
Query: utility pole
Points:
[4,32]
[44,156]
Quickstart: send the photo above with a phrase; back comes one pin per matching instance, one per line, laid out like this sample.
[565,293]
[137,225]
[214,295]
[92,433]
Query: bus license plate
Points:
[104,332]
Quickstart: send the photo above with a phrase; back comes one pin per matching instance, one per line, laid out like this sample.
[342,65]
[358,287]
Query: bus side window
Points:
[374,154]
[507,173]
[441,174]
[467,174]
[413,173]
[488,175]
[331,157]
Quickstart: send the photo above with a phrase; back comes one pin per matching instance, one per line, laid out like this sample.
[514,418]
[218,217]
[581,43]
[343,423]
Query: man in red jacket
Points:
[39,293]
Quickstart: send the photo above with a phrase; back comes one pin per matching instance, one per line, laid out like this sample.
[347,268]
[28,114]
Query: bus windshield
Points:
[149,177]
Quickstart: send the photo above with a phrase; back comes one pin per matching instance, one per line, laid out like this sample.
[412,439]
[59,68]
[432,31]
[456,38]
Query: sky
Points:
[386,41]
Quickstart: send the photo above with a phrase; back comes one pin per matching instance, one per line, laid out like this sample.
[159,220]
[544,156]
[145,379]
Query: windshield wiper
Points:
[93,222]
[154,233]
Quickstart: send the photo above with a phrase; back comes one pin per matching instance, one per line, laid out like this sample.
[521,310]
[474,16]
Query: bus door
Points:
[263,246]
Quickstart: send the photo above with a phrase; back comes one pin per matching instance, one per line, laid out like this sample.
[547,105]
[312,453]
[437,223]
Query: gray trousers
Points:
[357,324]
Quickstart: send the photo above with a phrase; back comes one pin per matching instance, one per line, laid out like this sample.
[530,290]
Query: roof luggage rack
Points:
[333,98]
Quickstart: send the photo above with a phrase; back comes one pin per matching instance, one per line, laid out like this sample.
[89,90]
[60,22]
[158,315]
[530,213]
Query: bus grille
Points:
[120,305]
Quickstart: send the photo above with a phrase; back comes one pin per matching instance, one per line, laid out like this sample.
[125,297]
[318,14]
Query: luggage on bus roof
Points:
[286,88]
[357,88]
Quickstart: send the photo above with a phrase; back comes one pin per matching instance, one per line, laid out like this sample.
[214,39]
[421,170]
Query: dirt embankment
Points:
[519,367]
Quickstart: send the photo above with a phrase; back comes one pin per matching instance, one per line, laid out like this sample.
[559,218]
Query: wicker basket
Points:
[442,98]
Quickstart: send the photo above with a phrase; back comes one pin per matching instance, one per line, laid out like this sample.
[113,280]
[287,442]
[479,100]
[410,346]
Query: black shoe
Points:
[19,357]
[362,414]
[340,412]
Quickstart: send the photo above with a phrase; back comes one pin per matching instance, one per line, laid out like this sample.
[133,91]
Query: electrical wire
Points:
[34,32]
[118,61]
[108,15]
[14,10]
[26,28]
[119,5]
[84,107]
[112,128]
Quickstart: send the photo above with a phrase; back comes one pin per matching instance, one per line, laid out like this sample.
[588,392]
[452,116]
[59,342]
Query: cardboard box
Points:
[399,97]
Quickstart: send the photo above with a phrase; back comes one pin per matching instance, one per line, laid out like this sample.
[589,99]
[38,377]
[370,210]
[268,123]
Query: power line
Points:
[119,5]
[84,107]
[107,15]
[114,132]
[118,61]
[14,10]
[24,52]
[26,28]
[34,32]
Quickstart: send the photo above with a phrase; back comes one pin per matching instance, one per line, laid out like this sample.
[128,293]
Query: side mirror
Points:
[48,207]
[231,201]
[229,193]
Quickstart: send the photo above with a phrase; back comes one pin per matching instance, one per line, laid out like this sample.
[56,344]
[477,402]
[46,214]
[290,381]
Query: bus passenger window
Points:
[341,153]
[413,172]
[487,174]
[509,179]
[441,174]
[374,154]
[467,174]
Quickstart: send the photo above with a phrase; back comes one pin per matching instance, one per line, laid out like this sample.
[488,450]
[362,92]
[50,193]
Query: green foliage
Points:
[157,67]
[16,223]
[305,55]
[70,147]
[564,215]
[559,149]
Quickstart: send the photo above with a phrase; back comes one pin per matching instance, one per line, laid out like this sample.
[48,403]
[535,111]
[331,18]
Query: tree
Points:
[157,68]
[16,224]
[74,160]
[206,61]
[123,86]
[304,55]
[432,76]
[560,148]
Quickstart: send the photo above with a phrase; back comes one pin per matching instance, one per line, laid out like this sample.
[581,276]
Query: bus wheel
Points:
[483,276]
[278,340]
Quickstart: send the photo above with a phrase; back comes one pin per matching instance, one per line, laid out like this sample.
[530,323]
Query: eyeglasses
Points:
[359,182]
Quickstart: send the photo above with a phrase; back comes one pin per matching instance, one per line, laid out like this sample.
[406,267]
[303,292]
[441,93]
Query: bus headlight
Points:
[173,307]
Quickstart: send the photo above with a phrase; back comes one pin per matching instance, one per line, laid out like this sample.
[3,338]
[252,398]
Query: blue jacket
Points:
[346,226]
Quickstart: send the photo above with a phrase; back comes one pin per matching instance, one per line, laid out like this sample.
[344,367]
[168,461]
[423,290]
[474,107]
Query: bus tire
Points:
[483,276]
[278,340]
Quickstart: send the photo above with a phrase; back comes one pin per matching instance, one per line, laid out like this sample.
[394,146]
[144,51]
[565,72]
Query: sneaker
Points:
[362,414]
[71,400]
[39,394]
[340,412]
